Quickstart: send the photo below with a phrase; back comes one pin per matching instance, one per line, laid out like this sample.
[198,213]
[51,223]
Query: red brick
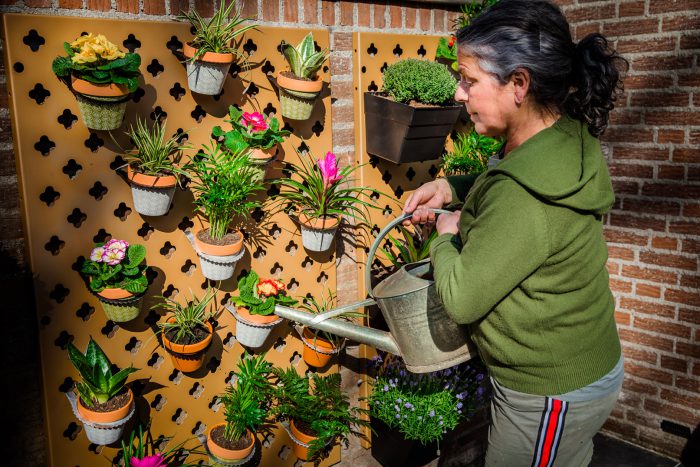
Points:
[647,307]
[343,137]
[378,12]
[617,285]
[7,163]
[621,187]
[590,13]
[425,19]
[647,373]
[631,9]
[668,260]
[631,27]
[690,316]
[691,210]
[690,246]
[270,10]
[100,5]
[652,207]
[662,63]
[662,327]
[32,3]
[621,253]
[622,319]
[684,400]
[625,117]
[347,13]
[638,387]
[690,42]
[686,22]
[291,12]
[695,137]
[630,170]
[691,281]
[622,134]
[640,338]
[364,13]
[688,80]
[582,30]
[70,4]
[650,274]
[311,11]
[668,190]
[664,243]
[411,15]
[439,17]
[646,290]
[132,6]
[683,227]
[681,296]
[687,384]
[640,355]
[648,82]
[623,429]
[613,268]
[635,222]
[691,350]
[668,411]
[621,236]
[640,418]
[249,9]
[688,155]
[676,118]
[670,136]
[667,6]
[154,7]
[178,7]
[674,364]
[654,44]
[660,99]
[395,20]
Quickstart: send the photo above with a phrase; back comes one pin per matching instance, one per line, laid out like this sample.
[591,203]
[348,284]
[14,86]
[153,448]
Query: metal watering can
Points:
[421,331]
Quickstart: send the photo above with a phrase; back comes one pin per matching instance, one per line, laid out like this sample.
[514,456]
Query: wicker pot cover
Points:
[297,105]
[102,113]
[123,309]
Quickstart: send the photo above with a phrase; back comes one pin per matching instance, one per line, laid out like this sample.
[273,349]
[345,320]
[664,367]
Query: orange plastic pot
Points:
[151,181]
[211,57]
[301,452]
[98,90]
[228,454]
[218,250]
[317,350]
[188,357]
[245,314]
[263,154]
[105,417]
[115,293]
[299,85]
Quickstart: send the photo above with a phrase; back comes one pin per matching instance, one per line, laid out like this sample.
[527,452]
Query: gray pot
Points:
[219,268]
[316,239]
[152,201]
[206,77]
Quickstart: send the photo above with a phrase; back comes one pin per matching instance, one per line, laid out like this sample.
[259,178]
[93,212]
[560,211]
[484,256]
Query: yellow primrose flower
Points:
[81,40]
[86,55]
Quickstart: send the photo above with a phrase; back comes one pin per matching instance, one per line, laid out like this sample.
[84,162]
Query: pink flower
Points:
[329,169]
[113,256]
[155,460]
[254,121]
[116,245]
[96,254]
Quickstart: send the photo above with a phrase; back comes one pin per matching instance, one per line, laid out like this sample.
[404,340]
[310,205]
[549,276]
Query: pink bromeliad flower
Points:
[254,121]
[329,169]
[155,460]
[113,256]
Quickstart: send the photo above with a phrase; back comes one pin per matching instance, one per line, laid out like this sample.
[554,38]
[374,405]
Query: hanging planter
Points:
[102,106]
[301,441]
[152,194]
[188,357]
[106,427]
[120,305]
[318,351]
[218,258]
[206,74]
[317,234]
[253,330]
[224,452]
[260,160]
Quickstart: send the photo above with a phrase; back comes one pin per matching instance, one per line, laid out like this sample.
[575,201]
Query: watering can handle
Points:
[380,236]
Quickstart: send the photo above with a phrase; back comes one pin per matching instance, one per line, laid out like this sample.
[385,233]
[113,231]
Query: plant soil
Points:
[217,435]
[116,402]
[200,333]
[414,103]
[291,75]
[229,238]
[304,428]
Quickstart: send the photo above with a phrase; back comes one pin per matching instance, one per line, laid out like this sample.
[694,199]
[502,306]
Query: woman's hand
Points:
[431,195]
[448,223]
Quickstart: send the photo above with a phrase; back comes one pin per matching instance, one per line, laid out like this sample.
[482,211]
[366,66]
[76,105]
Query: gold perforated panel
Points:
[73,196]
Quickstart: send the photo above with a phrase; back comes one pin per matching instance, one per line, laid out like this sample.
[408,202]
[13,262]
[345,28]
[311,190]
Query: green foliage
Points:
[419,80]
[304,61]
[118,71]
[326,303]
[141,446]
[471,10]
[186,317]
[221,185]
[155,153]
[325,409]
[257,302]
[241,136]
[448,51]
[470,153]
[99,384]
[217,34]
[413,248]
[127,274]
[424,406]
[247,404]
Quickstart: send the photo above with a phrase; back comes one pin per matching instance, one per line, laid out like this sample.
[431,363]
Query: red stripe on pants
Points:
[552,426]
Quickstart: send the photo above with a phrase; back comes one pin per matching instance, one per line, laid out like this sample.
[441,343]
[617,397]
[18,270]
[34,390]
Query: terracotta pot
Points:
[256,319]
[299,85]
[99,90]
[318,351]
[228,454]
[188,357]
[115,293]
[319,223]
[211,57]
[264,154]
[218,250]
[106,417]
[301,452]
[151,181]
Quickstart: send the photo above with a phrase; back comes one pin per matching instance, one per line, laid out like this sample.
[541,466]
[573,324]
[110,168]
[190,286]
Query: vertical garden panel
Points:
[74,193]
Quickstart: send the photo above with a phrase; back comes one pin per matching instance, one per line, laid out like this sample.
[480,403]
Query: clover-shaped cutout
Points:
[145,231]
[372,87]
[122,211]
[421,51]
[102,236]
[267,68]
[198,113]
[44,146]
[155,68]
[174,45]
[54,245]
[137,95]
[85,311]
[372,50]
[39,93]
[398,51]
[159,114]
[410,173]
[67,119]
[131,43]
[49,196]
[177,91]
[59,293]
[33,40]
[98,191]
[77,217]
[94,142]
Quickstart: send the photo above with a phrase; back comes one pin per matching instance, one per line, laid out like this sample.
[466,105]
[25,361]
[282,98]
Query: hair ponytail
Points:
[595,79]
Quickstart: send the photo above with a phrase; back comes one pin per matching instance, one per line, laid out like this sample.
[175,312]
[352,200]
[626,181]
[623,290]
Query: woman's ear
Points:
[520,80]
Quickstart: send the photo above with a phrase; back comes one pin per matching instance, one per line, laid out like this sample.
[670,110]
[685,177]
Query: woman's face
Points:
[489,103]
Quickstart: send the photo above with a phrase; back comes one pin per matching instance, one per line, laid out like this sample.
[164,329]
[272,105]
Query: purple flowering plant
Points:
[425,406]
[116,264]
[142,451]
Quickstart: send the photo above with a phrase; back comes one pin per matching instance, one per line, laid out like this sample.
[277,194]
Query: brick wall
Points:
[653,146]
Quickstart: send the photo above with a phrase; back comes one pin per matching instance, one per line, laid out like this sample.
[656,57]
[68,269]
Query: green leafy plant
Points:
[322,189]
[304,61]
[326,303]
[470,153]
[250,130]
[217,34]
[99,383]
[141,451]
[325,410]
[155,153]
[116,264]
[421,81]
[222,184]
[261,295]
[424,406]
[96,60]
[412,248]
[184,319]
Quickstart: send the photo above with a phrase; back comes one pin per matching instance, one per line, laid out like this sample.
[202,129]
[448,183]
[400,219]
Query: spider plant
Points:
[322,305]
[413,248]
[155,153]
[185,318]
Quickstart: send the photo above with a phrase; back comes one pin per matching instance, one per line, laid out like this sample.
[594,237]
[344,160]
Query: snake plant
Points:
[304,61]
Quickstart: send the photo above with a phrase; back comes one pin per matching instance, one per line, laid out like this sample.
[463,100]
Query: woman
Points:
[523,263]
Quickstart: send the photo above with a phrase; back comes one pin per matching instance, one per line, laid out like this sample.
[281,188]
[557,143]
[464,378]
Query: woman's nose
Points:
[461,94]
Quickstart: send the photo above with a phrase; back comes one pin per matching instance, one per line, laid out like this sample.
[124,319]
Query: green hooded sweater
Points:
[527,271]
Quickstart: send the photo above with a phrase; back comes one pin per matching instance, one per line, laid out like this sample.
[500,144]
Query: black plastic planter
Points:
[391,449]
[401,133]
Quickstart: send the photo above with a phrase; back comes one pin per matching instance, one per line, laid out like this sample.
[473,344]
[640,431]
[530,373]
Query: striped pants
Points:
[539,431]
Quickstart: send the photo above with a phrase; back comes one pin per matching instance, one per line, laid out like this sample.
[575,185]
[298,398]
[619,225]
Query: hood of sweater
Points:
[564,165]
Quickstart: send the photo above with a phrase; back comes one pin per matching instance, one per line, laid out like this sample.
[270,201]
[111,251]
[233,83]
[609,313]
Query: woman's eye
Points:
[464,83]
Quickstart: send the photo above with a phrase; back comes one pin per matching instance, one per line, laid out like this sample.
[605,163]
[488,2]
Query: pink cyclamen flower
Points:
[96,254]
[329,169]
[254,121]
[113,256]
[155,460]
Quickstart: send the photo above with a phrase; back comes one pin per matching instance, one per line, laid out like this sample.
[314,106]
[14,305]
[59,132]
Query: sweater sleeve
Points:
[505,243]
[460,186]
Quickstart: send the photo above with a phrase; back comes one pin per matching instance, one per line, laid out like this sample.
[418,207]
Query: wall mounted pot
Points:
[188,357]
[102,106]
[391,449]
[120,305]
[260,160]
[218,261]
[318,351]
[297,96]
[222,455]
[207,74]
[253,330]
[317,234]
[301,442]
[403,133]
[152,194]
[105,427]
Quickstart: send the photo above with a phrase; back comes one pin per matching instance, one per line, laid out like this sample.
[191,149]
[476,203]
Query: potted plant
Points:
[141,451]
[101,76]
[252,130]
[115,272]
[211,52]
[411,412]
[300,86]
[246,409]
[322,194]
[187,332]
[152,169]
[470,153]
[222,183]
[320,346]
[412,248]
[409,120]
[255,307]
[104,404]
[317,417]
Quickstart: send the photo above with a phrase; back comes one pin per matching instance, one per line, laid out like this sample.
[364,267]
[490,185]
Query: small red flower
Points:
[452,41]
[268,287]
